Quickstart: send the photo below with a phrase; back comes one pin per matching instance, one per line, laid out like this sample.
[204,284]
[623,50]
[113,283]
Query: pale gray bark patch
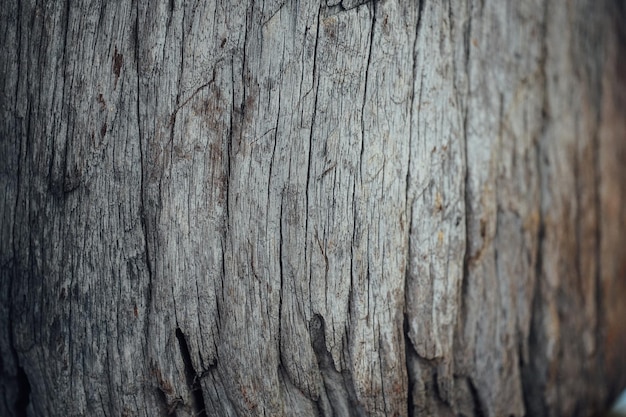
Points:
[343,207]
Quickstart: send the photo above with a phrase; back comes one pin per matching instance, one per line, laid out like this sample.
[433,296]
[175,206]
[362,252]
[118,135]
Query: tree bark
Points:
[334,207]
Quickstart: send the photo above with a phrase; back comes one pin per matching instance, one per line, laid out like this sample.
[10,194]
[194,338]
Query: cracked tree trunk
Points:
[281,208]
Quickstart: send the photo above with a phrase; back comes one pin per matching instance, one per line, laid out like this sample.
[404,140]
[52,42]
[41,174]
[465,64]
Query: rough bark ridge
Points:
[351,208]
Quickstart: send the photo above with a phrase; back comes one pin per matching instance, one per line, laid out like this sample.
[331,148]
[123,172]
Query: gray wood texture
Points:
[312,208]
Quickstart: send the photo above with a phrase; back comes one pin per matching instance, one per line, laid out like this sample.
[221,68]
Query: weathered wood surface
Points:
[292,208]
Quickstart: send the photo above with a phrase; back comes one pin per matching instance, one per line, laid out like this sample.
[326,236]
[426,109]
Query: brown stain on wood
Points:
[330,27]
[249,105]
[483,228]
[211,109]
[163,384]
[180,153]
[250,404]
[101,101]
[531,222]
[438,202]
[474,257]
[215,153]
[386,29]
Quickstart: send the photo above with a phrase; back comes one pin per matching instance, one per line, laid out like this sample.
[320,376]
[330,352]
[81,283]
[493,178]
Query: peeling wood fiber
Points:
[320,208]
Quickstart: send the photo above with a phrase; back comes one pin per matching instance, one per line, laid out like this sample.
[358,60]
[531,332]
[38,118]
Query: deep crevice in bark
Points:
[408,352]
[533,383]
[478,405]
[143,212]
[424,373]
[420,14]
[408,347]
[193,380]
[462,309]
[281,293]
[339,386]
[366,82]
[23,393]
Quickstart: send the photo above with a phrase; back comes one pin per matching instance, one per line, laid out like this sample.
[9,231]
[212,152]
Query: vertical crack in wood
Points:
[143,149]
[479,409]
[464,293]
[381,371]
[532,373]
[198,404]
[424,393]
[339,386]
[309,162]
[367,70]
[23,393]
[420,13]
[281,277]
[409,351]
[229,153]
[22,383]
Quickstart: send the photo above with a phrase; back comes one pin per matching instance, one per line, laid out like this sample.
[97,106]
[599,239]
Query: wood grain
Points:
[350,208]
